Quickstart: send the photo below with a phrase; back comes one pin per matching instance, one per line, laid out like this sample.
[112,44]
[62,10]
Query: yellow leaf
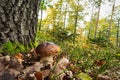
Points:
[84,76]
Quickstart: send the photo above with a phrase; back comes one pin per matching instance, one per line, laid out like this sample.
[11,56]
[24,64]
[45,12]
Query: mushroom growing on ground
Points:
[47,51]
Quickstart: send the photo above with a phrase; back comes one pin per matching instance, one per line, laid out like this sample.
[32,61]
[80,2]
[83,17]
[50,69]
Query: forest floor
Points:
[27,67]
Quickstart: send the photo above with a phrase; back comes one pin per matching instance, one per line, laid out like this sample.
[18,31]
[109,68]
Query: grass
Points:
[95,58]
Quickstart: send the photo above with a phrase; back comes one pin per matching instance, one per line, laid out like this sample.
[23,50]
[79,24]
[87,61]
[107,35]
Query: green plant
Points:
[11,48]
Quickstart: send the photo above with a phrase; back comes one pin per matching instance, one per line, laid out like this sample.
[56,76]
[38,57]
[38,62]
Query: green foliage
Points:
[86,57]
[62,35]
[100,41]
[13,48]
[42,37]
[9,48]
[44,4]
[59,26]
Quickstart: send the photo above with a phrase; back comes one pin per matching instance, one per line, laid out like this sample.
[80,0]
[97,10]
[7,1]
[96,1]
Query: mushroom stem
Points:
[47,60]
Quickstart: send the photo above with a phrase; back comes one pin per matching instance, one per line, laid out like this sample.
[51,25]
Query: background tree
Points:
[111,17]
[98,5]
[90,27]
[116,19]
[41,13]
[62,19]
[18,20]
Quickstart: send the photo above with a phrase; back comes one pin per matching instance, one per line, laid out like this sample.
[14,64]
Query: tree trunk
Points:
[41,12]
[117,37]
[65,17]
[18,20]
[89,31]
[97,21]
[76,21]
[111,19]
[76,17]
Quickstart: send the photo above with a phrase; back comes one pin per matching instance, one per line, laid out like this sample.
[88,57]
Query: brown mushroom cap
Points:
[47,49]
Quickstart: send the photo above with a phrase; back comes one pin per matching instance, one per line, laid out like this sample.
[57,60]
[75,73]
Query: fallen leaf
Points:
[84,76]
[75,69]
[38,75]
[19,57]
[33,52]
[99,62]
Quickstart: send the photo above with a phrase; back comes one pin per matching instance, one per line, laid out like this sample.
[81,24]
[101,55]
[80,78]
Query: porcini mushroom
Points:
[47,51]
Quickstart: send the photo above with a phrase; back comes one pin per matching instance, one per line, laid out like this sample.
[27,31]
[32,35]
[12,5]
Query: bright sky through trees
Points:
[105,10]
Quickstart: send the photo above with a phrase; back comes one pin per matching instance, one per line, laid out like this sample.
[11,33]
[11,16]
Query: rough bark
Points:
[18,20]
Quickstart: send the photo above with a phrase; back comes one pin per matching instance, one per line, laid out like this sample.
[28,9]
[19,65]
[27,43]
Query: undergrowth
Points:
[10,48]
[93,59]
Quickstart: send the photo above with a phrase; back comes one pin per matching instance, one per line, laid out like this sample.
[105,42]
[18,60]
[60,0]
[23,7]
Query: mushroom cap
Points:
[47,49]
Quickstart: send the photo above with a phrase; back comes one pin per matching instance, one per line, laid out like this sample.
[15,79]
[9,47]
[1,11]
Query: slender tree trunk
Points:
[65,17]
[117,37]
[97,21]
[76,20]
[53,24]
[41,12]
[18,20]
[76,17]
[89,31]
[111,19]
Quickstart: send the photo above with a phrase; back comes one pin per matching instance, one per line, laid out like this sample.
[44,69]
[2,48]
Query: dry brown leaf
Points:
[75,69]
[33,52]
[38,75]
[19,57]
[99,63]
